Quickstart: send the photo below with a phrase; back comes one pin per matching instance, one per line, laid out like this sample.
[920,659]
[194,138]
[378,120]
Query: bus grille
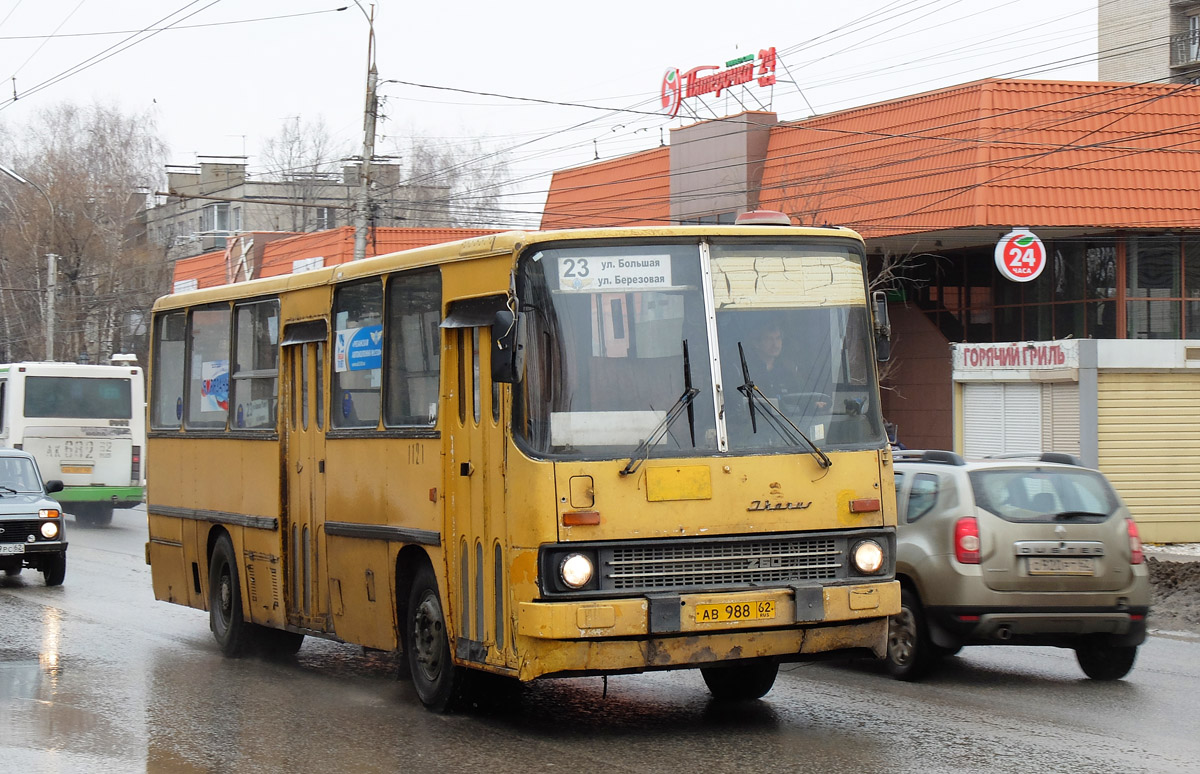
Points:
[732,563]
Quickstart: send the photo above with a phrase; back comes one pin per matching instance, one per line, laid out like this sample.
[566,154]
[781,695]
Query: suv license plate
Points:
[12,548]
[1062,565]
[736,611]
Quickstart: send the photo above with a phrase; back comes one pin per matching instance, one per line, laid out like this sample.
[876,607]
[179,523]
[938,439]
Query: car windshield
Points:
[1044,494]
[605,327]
[17,475]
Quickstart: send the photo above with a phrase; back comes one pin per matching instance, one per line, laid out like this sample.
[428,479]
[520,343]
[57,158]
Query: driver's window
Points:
[922,497]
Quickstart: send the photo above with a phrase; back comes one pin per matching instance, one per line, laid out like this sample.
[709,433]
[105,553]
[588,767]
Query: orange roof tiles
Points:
[632,190]
[335,246]
[995,153]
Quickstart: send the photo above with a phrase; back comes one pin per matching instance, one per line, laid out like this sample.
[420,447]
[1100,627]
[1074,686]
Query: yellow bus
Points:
[582,452]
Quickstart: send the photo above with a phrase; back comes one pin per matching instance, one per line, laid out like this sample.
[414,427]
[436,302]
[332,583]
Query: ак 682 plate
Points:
[723,612]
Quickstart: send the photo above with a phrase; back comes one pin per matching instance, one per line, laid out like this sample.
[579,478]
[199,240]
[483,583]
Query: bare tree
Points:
[304,158]
[445,184]
[84,166]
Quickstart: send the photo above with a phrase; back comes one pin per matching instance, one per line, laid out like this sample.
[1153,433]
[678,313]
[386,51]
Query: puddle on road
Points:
[32,706]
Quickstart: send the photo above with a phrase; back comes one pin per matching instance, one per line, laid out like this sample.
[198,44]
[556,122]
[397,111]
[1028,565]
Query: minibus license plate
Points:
[761,610]
[1062,565]
[12,548]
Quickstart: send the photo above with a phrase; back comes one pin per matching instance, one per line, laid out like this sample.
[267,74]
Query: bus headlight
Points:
[49,530]
[576,570]
[867,557]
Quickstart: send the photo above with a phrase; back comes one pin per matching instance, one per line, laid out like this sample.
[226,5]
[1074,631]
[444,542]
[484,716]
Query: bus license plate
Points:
[12,548]
[1062,565]
[736,611]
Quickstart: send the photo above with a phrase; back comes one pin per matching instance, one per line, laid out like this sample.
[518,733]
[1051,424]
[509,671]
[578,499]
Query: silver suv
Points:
[31,524]
[1020,550]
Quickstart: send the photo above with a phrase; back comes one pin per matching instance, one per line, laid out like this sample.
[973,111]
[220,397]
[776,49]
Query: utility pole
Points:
[362,206]
[51,287]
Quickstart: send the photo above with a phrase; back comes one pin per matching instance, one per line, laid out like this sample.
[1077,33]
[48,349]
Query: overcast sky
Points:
[224,75]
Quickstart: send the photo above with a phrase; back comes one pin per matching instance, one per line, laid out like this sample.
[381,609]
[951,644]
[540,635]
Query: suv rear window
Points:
[1044,494]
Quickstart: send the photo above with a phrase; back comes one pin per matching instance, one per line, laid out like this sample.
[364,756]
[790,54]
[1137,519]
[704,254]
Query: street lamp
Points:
[52,264]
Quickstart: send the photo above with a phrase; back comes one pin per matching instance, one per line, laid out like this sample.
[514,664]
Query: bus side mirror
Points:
[883,326]
[508,356]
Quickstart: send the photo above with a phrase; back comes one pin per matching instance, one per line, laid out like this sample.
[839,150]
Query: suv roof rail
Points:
[1061,458]
[928,455]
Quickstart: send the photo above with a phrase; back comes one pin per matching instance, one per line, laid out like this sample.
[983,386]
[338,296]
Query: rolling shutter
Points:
[1001,418]
[1148,440]
[1060,417]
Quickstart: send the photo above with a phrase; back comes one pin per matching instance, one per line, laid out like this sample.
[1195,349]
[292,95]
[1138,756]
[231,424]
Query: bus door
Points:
[304,359]
[474,484]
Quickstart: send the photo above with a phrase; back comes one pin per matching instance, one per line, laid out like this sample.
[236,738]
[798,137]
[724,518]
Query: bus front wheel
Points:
[230,629]
[439,683]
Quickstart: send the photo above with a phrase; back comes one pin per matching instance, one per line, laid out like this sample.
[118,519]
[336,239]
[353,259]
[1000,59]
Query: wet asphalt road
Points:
[95,676]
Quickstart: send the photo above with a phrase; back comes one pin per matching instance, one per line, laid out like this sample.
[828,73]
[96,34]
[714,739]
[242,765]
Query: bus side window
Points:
[413,337]
[166,390]
[256,365]
[358,355]
[208,374]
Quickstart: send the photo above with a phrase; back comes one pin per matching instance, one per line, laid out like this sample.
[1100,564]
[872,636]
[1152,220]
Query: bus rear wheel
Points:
[439,683]
[740,683]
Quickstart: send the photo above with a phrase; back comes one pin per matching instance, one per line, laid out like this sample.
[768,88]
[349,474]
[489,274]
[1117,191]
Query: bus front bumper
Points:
[671,631]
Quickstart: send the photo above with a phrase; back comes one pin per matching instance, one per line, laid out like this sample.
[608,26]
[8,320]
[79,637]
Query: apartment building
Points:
[1149,41]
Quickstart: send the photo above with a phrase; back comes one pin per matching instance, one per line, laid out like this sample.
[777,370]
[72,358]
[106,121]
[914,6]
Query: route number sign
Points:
[1020,255]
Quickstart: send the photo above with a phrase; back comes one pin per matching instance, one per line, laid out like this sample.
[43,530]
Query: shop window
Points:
[1192,311]
[1191,268]
[414,348]
[1102,320]
[1070,320]
[1038,323]
[1152,319]
[1101,271]
[1068,266]
[208,372]
[1008,323]
[358,355]
[256,365]
[1153,267]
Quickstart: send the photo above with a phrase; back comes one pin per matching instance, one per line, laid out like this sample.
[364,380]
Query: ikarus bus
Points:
[555,453]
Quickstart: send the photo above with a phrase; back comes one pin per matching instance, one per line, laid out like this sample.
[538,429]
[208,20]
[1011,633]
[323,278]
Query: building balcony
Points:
[1185,49]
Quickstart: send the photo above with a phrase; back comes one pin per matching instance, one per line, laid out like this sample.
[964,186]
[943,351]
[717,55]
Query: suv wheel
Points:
[54,569]
[909,650]
[1106,662]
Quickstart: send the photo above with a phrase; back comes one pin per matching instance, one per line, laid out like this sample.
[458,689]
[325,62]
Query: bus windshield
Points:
[606,329]
[69,397]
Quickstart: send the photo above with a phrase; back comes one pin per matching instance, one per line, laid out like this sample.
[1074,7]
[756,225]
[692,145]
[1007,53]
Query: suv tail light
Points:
[1135,543]
[966,540]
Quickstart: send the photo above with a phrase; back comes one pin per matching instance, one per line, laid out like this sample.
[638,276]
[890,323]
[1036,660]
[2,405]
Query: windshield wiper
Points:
[10,490]
[682,403]
[778,420]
